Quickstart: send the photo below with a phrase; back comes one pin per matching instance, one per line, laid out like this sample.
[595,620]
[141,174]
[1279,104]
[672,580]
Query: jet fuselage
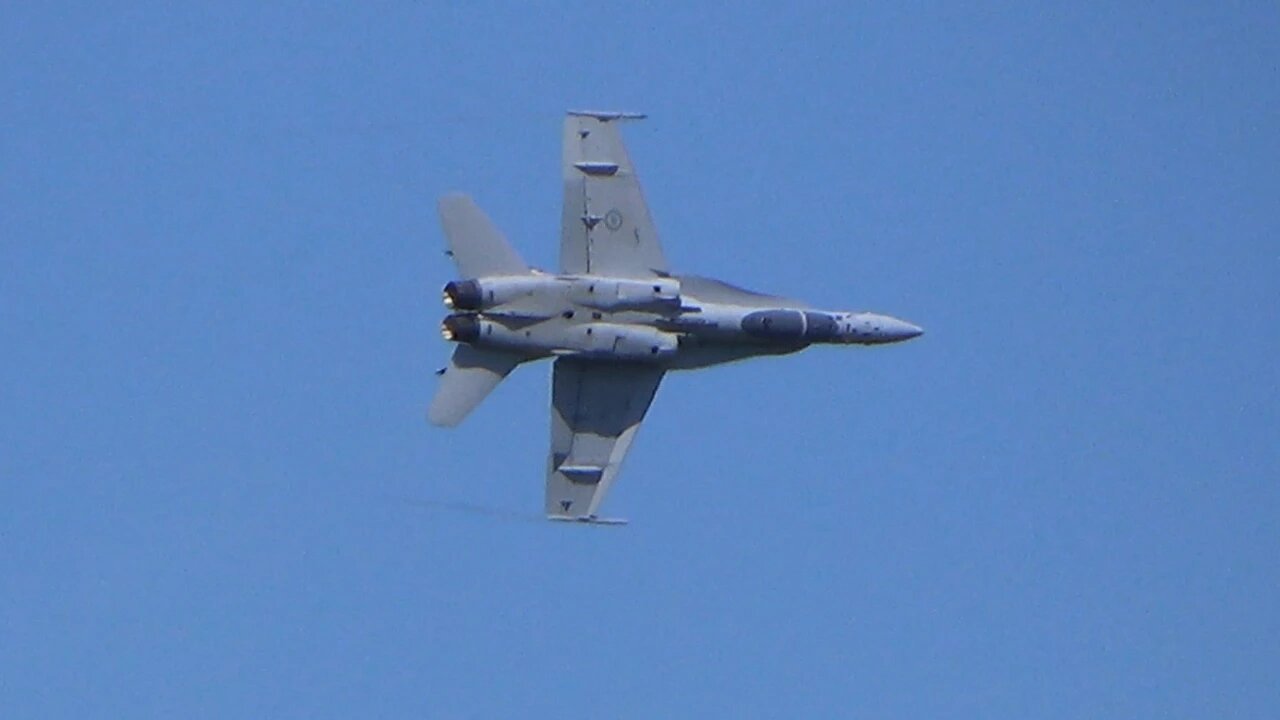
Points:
[660,320]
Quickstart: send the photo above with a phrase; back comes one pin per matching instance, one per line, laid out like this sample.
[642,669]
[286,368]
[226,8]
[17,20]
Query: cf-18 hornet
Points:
[614,318]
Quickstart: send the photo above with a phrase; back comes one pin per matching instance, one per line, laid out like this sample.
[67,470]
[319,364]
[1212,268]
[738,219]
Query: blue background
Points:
[219,305]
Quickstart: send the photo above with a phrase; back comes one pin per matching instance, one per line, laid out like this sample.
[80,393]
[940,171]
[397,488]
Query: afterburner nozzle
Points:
[463,295]
[460,327]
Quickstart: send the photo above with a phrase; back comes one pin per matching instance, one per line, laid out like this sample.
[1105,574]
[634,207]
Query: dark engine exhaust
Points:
[463,295]
[460,328]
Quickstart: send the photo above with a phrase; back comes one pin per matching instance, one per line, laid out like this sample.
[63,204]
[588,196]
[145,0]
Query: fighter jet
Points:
[614,318]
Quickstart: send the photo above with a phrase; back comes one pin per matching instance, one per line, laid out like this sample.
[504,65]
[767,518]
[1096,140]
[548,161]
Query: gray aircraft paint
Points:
[613,318]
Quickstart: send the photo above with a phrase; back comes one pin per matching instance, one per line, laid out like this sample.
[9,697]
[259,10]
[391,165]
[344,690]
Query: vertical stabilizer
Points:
[475,243]
[472,374]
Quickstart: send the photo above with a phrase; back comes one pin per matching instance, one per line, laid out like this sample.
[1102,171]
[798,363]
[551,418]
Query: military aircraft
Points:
[614,318]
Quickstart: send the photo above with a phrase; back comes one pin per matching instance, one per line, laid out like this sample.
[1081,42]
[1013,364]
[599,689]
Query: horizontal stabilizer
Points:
[472,374]
[476,244]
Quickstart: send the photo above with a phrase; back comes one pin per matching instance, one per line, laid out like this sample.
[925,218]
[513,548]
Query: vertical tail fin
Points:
[477,246]
[472,374]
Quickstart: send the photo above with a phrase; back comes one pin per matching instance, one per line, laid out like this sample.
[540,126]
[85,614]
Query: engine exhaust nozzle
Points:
[462,328]
[463,295]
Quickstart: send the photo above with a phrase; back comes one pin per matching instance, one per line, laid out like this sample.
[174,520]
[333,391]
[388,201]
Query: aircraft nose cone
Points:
[898,330]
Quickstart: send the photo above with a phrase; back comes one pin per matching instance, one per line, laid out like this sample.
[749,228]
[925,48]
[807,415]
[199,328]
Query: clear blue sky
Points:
[219,299]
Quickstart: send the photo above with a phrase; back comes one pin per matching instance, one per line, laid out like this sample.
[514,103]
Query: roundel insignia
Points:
[613,219]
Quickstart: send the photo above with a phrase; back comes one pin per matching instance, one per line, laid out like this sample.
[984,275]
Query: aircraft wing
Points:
[596,409]
[605,228]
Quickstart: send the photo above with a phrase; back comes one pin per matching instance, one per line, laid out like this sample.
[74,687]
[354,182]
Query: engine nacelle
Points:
[494,291]
[622,342]
[614,294]
[605,340]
